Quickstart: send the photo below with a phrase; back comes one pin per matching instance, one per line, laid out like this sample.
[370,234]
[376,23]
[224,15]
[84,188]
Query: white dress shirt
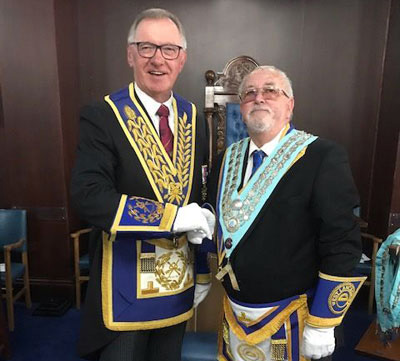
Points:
[267,148]
[152,107]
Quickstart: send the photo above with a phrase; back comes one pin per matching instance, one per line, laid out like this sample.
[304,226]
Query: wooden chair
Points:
[13,240]
[368,268]
[81,263]
[222,104]
[5,349]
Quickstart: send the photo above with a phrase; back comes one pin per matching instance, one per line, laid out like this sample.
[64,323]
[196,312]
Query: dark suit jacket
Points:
[106,167]
[307,225]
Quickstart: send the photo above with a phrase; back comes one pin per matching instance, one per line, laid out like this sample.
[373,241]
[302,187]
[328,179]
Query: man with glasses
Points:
[287,238]
[138,179]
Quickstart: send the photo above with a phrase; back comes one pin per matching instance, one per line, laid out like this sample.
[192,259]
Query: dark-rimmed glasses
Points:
[268,93]
[148,50]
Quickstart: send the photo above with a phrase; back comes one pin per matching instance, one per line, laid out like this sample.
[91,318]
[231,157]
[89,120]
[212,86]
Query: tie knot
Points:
[258,156]
[163,111]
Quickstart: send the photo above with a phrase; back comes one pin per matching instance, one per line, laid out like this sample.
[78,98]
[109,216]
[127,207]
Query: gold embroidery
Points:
[225,335]
[250,352]
[129,112]
[175,190]
[150,289]
[341,297]
[183,151]
[172,189]
[242,318]
[147,262]
[278,349]
[169,274]
[144,211]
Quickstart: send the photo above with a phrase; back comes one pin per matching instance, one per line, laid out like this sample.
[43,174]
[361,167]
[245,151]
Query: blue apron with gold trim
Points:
[262,332]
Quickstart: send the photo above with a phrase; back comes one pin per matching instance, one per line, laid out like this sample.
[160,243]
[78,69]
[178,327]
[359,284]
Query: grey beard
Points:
[257,126]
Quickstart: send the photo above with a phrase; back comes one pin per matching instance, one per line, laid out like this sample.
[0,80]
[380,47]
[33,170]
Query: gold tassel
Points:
[278,349]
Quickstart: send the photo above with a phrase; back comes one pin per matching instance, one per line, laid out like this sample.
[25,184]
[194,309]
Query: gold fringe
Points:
[270,328]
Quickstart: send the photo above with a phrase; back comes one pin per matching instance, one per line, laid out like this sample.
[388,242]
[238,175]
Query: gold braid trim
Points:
[152,153]
[270,328]
[203,278]
[155,157]
[184,150]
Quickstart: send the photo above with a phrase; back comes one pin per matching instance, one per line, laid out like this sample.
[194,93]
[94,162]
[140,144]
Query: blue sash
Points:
[237,210]
[387,288]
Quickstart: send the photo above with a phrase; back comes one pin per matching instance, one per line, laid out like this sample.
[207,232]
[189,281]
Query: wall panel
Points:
[38,72]
[333,51]
[58,55]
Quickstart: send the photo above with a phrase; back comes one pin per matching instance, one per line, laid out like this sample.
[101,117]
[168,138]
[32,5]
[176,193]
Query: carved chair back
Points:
[222,104]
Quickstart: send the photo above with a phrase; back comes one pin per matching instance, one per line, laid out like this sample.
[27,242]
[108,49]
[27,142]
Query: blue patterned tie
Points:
[258,157]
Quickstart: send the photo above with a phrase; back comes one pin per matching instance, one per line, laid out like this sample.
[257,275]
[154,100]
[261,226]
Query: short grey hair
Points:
[156,13]
[287,82]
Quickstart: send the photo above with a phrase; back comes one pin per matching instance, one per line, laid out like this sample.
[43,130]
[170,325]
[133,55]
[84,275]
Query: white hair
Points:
[286,81]
[156,13]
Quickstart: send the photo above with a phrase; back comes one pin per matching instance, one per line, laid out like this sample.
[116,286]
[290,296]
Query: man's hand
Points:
[318,342]
[200,293]
[210,221]
[196,221]
[196,236]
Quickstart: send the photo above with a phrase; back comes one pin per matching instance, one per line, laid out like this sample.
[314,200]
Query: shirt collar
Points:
[150,104]
[268,147]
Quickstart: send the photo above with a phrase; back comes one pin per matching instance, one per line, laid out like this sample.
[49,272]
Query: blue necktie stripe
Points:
[258,157]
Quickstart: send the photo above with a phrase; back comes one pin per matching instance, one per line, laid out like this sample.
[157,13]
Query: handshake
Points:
[197,222]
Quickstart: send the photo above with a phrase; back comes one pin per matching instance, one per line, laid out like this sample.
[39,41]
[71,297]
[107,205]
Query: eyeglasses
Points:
[268,93]
[148,50]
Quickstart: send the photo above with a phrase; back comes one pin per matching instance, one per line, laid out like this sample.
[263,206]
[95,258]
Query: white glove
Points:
[318,342]
[200,293]
[210,221]
[191,218]
[195,237]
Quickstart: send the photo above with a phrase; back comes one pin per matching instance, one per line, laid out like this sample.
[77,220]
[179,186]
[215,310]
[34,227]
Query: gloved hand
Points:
[210,221]
[195,237]
[318,342]
[191,218]
[200,293]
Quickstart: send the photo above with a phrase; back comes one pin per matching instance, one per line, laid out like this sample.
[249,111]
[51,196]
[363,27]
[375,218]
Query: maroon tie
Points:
[167,138]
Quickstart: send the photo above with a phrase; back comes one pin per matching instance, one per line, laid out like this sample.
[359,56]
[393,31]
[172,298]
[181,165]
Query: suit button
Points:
[228,243]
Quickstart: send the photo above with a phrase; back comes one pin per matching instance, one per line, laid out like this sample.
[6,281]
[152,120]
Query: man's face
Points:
[266,116]
[156,76]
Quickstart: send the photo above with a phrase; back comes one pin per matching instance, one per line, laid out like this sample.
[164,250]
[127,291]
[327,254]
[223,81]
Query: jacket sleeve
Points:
[339,243]
[333,202]
[93,184]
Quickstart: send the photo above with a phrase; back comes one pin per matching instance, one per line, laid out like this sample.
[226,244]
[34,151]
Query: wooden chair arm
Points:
[371,237]
[77,234]
[15,245]
[363,224]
